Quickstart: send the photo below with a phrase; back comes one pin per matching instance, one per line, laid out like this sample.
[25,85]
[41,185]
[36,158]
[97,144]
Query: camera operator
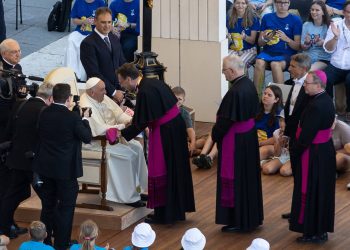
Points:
[59,164]
[22,130]
[10,57]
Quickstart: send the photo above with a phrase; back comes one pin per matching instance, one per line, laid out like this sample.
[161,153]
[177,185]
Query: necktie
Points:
[108,43]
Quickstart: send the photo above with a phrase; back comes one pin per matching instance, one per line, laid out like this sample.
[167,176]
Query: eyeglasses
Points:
[305,83]
[282,3]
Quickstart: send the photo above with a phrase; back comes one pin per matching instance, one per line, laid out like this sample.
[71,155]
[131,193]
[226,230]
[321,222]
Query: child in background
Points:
[142,237]
[37,232]
[180,95]
[281,160]
[266,121]
[88,233]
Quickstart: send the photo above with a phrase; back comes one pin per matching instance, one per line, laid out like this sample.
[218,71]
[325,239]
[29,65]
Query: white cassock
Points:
[126,165]
[72,56]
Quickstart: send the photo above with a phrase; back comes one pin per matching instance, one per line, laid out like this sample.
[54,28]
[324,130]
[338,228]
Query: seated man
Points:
[127,167]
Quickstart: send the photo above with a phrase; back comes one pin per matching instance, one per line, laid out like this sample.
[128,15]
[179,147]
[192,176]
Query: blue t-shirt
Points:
[316,52]
[237,44]
[130,248]
[338,4]
[129,9]
[82,10]
[263,129]
[34,245]
[291,25]
[78,247]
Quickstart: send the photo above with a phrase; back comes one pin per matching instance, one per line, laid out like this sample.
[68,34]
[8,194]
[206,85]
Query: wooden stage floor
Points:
[277,193]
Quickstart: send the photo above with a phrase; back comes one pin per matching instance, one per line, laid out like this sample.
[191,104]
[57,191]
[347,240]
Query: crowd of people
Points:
[255,130]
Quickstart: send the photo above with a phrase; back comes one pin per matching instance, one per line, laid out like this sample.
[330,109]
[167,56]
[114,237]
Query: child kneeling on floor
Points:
[37,232]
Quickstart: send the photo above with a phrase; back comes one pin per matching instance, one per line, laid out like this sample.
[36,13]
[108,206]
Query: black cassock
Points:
[240,104]
[154,100]
[318,213]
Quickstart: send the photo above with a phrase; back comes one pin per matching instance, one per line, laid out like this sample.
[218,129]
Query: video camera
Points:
[12,83]
[76,107]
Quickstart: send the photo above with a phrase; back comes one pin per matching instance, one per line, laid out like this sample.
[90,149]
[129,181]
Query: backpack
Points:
[54,17]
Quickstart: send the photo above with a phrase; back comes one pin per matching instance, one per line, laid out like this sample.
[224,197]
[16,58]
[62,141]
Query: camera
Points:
[13,84]
[77,108]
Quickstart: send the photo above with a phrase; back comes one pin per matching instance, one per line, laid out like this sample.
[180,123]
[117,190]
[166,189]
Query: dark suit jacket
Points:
[22,131]
[292,120]
[60,135]
[6,104]
[99,62]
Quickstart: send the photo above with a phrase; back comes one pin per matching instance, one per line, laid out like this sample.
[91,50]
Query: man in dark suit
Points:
[101,53]
[297,99]
[22,132]
[10,56]
[59,164]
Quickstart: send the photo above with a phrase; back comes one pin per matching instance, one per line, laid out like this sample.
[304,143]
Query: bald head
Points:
[10,51]
[232,67]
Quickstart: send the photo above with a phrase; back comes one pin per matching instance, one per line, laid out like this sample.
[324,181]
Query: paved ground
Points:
[32,34]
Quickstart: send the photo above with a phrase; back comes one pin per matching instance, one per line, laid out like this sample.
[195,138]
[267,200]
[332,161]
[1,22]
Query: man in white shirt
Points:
[337,42]
[297,100]
[126,165]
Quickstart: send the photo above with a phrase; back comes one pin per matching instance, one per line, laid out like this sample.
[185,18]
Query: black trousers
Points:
[336,76]
[2,23]
[18,190]
[58,199]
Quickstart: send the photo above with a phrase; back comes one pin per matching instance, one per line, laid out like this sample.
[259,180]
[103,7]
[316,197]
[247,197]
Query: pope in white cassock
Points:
[126,165]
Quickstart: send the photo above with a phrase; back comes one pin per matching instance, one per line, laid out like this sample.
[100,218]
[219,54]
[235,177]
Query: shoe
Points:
[348,186]
[285,216]
[136,204]
[230,229]
[313,239]
[198,160]
[153,220]
[207,162]
[18,230]
[144,197]
[12,235]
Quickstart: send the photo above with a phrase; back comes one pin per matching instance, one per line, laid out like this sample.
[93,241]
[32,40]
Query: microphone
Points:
[35,78]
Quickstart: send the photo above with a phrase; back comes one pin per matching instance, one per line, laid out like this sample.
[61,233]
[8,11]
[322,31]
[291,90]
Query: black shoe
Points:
[198,160]
[285,216]
[153,220]
[230,229]
[12,235]
[144,197]
[313,239]
[207,162]
[18,230]
[136,204]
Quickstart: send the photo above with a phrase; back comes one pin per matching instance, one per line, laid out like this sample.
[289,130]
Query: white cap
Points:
[143,235]
[259,244]
[92,82]
[193,239]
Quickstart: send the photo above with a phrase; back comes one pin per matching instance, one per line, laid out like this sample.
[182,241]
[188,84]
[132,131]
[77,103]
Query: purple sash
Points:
[227,173]
[157,174]
[322,136]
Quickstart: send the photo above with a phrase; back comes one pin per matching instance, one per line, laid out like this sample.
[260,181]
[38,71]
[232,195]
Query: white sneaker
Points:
[348,186]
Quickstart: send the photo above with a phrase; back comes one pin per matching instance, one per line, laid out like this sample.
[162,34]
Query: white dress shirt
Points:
[298,83]
[341,53]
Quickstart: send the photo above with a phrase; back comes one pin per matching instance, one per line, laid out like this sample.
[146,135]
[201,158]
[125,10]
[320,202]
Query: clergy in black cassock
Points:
[239,203]
[314,188]
[170,188]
